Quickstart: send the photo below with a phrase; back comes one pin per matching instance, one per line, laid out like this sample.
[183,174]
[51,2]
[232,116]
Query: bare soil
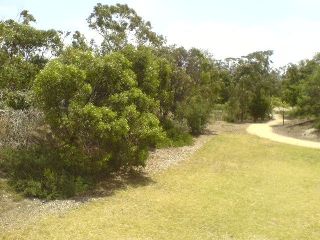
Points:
[298,128]
[266,130]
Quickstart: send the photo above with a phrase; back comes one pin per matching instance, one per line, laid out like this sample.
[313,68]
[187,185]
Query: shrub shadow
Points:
[117,182]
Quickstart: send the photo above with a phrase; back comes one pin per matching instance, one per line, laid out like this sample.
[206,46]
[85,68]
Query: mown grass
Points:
[236,187]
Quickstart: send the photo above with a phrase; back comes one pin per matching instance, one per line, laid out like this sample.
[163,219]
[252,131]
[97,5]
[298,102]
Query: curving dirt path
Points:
[264,130]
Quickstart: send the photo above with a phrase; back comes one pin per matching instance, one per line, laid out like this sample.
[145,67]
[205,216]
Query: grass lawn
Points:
[236,187]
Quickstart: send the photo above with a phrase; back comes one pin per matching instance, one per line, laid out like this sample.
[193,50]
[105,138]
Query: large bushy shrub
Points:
[260,107]
[100,111]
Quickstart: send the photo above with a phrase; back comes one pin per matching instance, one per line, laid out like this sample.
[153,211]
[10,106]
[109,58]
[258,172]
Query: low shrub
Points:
[177,134]
[44,172]
[18,100]
[197,113]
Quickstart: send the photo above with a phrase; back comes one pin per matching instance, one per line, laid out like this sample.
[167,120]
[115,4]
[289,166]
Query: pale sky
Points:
[226,28]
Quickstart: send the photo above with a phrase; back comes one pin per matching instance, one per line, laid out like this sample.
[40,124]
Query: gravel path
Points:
[265,130]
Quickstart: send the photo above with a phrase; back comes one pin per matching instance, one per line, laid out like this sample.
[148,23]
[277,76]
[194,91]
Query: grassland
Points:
[236,187]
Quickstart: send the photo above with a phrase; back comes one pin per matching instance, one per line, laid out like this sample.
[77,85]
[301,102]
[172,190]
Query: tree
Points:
[195,83]
[290,84]
[79,41]
[120,25]
[27,17]
[145,66]
[32,44]
[260,106]
[309,99]
[254,83]
[24,50]
[294,78]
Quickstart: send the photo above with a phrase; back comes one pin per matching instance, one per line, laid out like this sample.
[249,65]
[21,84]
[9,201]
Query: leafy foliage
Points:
[253,84]
[105,117]
[24,50]
[309,99]
[120,25]
[300,85]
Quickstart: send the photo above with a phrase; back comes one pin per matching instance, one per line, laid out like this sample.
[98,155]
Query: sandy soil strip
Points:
[265,130]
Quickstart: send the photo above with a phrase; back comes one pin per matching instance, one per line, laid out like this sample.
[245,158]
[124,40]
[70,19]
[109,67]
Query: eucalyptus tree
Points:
[253,85]
[120,25]
[24,50]
[308,101]
[295,76]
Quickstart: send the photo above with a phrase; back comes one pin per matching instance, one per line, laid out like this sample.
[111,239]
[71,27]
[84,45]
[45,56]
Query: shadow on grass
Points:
[117,182]
[36,174]
[208,132]
[105,187]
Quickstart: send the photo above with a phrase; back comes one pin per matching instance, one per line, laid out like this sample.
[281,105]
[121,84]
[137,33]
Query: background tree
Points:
[254,82]
[24,50]
[79,41]
[120,25]
[309,99]
[300,88]
[295,76]
[27,17]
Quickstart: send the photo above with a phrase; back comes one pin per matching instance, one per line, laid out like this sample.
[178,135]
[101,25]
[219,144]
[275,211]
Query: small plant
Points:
[18,100]
[177,134]
[197,112]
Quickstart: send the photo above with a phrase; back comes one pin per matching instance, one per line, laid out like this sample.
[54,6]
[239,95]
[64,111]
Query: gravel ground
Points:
[28,211]
[17,214]
[162,159]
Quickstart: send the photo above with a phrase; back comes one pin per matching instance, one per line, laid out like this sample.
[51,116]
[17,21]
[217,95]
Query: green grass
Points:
[236,187]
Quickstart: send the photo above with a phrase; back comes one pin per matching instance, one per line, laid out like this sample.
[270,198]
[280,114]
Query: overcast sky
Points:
[226,28]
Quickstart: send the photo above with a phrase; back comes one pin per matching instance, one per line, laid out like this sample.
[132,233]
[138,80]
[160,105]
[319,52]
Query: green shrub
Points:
[99,112]
[45,172]
[18,100]
[197,112]
[177,134]
[232,111]
[260,107]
